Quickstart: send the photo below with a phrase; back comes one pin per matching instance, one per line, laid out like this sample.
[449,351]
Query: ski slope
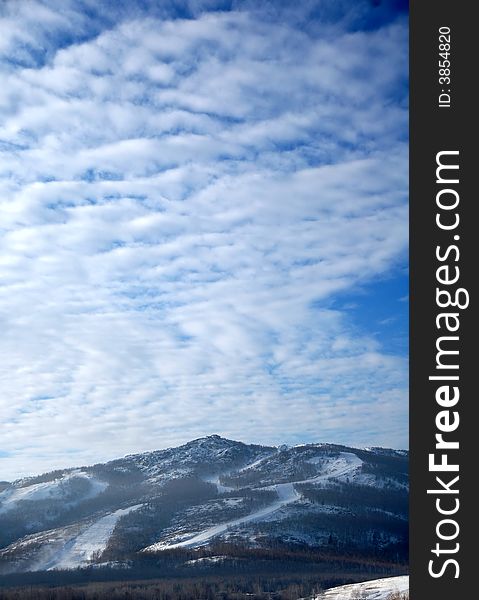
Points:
[56,489]
[79,550]
[287,494]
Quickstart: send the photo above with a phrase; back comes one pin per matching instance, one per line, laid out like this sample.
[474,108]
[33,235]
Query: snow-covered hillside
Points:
[343,465]
[378,589]
[62,488]
[205,492]
[79,550]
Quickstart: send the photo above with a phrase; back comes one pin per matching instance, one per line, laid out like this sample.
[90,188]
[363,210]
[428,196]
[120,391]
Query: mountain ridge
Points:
[131,455]
[206,492]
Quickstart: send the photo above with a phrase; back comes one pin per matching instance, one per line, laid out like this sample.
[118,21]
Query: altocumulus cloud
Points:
[186,188]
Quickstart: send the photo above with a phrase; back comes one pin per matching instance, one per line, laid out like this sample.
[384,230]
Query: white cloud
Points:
[181,200]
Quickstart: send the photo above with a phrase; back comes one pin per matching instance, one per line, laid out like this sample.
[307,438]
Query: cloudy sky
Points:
[203,225]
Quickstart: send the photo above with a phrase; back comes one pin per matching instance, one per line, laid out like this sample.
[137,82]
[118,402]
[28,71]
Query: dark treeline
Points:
[238,587]
[280,563]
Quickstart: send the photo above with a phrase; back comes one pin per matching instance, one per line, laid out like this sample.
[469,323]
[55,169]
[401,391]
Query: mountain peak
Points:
[215,438]
[210,490]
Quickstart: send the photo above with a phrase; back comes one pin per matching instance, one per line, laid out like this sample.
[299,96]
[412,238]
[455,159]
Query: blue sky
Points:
[204,225]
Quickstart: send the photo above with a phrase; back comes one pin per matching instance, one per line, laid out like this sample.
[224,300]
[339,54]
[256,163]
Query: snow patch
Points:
[207,560]
[254,464]
[215,480]
[378,589]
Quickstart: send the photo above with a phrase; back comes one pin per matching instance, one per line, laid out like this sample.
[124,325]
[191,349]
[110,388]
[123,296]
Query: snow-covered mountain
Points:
[208,493]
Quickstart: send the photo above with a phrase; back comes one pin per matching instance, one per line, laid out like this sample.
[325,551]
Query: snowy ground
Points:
[255,463]
[48,490]
[78,551]
[215,479]
[378,589]
[346,463]
[286,493]
[207,560]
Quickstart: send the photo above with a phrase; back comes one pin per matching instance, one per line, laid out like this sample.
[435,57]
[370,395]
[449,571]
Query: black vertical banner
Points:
[443,255]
